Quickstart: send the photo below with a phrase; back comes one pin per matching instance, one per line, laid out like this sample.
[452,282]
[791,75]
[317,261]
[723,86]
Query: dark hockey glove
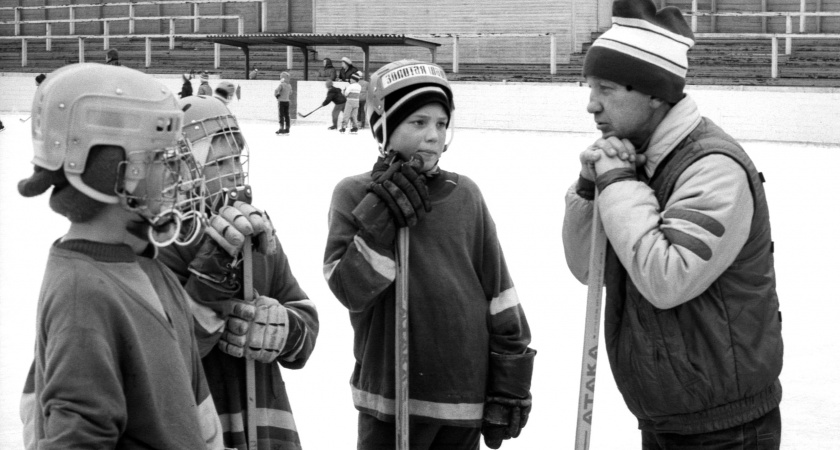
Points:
[216,269]
[508,402]
[402,189]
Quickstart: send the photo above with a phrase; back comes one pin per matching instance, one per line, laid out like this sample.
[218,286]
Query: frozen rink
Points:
[524,176]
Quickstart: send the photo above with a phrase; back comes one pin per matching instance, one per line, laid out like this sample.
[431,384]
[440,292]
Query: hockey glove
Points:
[508,401]
[256,330]
[231,227]
[402,189]
[215,268]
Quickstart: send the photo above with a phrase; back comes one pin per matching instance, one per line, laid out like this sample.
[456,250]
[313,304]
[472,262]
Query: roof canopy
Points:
[306,40]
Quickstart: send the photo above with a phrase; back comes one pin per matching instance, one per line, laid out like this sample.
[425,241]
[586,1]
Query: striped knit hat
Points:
[645,48]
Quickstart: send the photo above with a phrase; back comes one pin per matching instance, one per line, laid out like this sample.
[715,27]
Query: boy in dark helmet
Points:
[470,365]
[280,327]
[116,362]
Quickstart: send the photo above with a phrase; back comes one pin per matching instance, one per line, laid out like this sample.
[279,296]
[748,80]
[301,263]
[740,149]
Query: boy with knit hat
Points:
[280,327]
[283,94]
[692,324]
[204,86]
[112,57]
[347,69]
[335,96]
[116,361]
[470,366]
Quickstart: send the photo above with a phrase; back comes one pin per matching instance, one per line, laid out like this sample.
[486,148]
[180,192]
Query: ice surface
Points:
[523,176]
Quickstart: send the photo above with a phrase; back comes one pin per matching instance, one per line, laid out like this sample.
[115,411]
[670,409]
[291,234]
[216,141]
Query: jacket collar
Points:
[109,253]
[680,121]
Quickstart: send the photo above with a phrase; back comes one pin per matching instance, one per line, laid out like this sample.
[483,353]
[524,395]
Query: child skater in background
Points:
[470,365]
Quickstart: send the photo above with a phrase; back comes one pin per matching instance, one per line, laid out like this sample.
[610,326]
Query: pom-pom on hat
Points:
[644,48]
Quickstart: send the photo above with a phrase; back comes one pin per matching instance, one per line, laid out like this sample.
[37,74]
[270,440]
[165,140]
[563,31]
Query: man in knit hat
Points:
[112,57]
[204,87]
[116,360]
[692,326]
[461,291]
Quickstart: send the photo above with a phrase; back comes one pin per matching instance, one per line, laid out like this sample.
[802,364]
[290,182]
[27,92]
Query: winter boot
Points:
[280,131]
[341,130]
[354,130]
[332,127]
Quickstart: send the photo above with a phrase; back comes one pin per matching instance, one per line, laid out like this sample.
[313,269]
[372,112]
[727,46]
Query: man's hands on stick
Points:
[607,154]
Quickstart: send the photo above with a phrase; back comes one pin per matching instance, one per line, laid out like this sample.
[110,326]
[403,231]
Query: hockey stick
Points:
[24,120]
[592,329]
[401,340]
[310,112]
[250,380]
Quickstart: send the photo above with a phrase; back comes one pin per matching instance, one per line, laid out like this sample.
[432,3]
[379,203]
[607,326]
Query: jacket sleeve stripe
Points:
[707,223]
[689,242]
[442,411]
[233,423]
[505,300]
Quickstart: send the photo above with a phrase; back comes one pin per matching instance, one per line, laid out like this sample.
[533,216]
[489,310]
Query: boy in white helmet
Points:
[116,362]
[281,326]
[470,365]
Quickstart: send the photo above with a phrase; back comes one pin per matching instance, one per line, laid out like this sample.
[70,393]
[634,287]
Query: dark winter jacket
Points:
[329,70]
[334,95]
[462,302]
[692,322]
[344,74]
[186,89]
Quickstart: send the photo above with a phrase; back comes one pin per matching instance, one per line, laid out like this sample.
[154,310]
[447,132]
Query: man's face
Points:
[424,133]
[619,112]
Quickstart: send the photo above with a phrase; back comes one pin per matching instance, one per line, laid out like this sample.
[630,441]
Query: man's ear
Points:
[656,102]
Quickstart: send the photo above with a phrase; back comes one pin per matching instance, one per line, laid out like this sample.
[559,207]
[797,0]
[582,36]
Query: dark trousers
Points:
[375,434]
[337,109]
[764,433]
[361,116]
[283,108]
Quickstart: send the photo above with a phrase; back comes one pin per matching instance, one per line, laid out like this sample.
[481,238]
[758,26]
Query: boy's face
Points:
[424,133]
[224,168]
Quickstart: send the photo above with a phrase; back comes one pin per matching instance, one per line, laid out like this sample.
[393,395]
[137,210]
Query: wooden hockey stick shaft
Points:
[250,377]
[592,329]
[401,338]
[310,112]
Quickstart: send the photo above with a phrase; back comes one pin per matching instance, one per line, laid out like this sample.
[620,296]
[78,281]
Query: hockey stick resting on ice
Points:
[592,329]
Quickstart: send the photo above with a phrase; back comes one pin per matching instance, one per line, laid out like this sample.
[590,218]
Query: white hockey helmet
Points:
[82,106]
[394,90]
[218,146]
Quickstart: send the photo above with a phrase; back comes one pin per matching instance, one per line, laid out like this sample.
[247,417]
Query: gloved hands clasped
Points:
[402,188]
[255,330]
[508,401]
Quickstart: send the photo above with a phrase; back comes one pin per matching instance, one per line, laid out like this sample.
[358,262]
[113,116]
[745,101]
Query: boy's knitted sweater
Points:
[462,306]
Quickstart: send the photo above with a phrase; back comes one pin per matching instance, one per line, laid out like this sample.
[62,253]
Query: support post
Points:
[366,61]
[802,8]
[553,58]
[713,18]
[196,20]
[247,52]
[788,30]
[81,50]
[131,18]
[241,26]
[72,20]
[290,57]
[106,40]
[17,21]
[774,58]
[49,39]
[455,54]
[694,16]
[264,14]
[171,34]
[217,50]
[305,51]
[148,52]
[764,19]
[573,28]
[818,19]
[24,59]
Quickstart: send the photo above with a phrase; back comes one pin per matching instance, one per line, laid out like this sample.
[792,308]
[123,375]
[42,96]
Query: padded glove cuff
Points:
[510,375]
